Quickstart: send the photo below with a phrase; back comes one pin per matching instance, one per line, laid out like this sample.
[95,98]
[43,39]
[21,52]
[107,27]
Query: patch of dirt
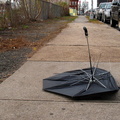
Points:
[13,43]
[11,60]
[17,44]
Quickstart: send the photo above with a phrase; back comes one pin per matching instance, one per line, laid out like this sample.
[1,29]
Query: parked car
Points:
[100,10]
[95,12]
[115,14]
[88,12]
[106,12]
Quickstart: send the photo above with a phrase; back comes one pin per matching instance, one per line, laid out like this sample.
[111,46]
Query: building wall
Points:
[73,4]
[99,1]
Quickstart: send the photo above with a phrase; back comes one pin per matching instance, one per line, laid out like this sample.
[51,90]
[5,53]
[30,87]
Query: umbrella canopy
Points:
[79,83]
[83,82]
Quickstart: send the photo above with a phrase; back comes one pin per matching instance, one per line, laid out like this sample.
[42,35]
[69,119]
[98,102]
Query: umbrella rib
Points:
[96,65]
[90,81]
[103,73]
[100,82]
[79,81]
[89,75]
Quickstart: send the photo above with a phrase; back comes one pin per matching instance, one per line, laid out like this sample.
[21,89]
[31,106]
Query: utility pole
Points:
[91,13]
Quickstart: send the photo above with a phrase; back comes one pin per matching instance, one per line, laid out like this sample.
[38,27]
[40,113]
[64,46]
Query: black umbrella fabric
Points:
[82,82]
[79,83]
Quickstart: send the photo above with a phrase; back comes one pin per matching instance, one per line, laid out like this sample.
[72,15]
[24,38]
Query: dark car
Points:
[115,14]
[106,12]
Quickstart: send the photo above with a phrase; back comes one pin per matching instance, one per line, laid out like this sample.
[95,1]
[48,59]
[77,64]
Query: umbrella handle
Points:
[86,31]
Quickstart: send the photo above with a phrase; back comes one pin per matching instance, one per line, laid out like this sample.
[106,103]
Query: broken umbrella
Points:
[82,82]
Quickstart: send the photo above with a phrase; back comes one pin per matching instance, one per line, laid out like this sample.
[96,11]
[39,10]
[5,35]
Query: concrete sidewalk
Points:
[22,97]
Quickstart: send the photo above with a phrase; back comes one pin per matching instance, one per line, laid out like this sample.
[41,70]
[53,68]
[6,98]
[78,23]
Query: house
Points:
[73,7]
[74,4]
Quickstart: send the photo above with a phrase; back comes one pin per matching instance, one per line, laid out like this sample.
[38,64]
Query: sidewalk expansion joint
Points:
[81,45]
[52,61]
[67,101]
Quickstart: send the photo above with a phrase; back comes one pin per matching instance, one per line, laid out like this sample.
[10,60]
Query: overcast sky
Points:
[89,1]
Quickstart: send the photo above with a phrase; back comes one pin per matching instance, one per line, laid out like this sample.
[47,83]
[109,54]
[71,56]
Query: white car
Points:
[100,10]
[106,12]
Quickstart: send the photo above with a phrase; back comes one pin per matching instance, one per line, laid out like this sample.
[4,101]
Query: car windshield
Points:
[108,6]
[102,5]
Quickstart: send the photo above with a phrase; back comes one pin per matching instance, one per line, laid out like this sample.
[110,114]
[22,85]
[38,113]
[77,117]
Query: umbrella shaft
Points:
[89,57]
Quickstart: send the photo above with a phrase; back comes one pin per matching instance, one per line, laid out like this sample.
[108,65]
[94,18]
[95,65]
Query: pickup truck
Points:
[115,14]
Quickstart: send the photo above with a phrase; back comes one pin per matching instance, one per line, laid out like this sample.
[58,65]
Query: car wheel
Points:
[100,18]
[104,19]
[119,24]
[112,22]
[95,17]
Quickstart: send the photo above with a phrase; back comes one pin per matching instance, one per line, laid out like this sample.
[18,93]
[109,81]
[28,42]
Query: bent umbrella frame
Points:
[82,82]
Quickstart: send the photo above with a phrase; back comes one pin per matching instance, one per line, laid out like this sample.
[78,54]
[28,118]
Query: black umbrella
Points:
[82,82]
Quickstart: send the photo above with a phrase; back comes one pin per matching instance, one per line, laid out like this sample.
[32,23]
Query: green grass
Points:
[93,20]
[69,18]
[66,18]
[25,26]
[2,28]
